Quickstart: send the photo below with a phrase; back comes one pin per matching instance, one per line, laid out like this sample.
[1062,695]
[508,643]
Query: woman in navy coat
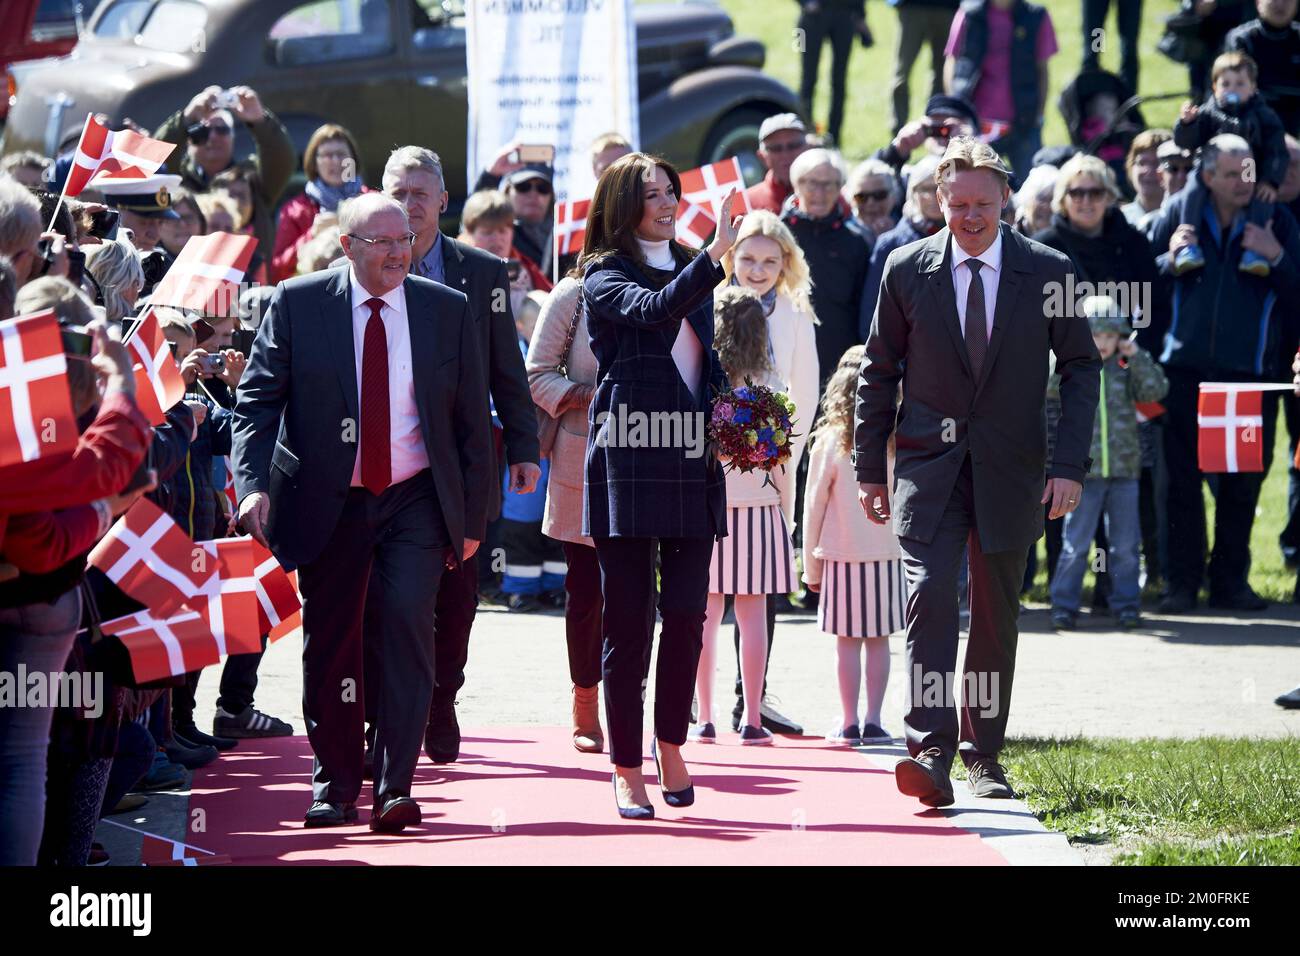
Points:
[654,488]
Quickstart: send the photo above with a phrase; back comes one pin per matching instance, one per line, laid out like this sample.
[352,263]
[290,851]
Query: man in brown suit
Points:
[967,320]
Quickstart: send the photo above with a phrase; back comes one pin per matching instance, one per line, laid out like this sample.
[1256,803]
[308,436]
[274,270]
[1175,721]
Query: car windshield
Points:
[173,26]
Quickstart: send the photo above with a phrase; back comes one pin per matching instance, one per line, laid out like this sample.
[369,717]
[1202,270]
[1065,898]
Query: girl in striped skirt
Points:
[855,564]
[756,558]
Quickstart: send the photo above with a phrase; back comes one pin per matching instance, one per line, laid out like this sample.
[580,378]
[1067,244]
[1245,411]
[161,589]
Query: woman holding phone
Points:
[648,302]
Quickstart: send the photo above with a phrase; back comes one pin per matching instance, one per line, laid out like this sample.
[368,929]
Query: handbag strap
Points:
[563,365]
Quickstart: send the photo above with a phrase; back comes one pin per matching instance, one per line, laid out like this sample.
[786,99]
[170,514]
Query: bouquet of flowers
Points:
[751,427]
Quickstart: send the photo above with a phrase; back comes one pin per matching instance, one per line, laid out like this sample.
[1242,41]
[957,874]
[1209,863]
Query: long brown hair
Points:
[836,422]
[618,205]
[740,334]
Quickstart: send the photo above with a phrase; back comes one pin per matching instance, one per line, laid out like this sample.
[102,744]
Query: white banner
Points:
[550,72]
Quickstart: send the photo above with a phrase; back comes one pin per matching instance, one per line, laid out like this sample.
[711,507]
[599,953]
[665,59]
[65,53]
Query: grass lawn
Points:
[1211,801]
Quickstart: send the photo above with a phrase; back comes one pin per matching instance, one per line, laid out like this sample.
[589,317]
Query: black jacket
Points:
[1121,254]
[1253,121]
[1277,55]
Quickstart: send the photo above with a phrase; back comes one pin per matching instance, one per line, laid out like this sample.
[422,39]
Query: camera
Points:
[102,223]
[941,130]
[512,269]
[154,265]
[213,364]
[227,100]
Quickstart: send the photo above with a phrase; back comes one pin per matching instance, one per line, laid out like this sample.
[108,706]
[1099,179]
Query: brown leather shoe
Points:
[587,735]
[986,778]
[925,777]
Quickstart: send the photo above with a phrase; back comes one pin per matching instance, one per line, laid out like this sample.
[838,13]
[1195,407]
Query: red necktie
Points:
[376,453]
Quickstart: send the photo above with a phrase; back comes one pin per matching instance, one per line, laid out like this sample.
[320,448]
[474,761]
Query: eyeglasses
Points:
[1090,193]
[199,133]
[391,245]
[528,185]
[873,195]
[220,129]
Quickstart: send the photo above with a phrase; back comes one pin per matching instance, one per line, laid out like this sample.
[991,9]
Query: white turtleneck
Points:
[688,352]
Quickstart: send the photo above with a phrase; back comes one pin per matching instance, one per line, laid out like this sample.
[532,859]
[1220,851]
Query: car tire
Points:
[736,134]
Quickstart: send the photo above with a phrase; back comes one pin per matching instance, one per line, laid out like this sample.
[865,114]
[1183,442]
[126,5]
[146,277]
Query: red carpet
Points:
[523,795]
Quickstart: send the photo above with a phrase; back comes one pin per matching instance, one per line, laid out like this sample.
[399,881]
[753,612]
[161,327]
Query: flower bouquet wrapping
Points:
[751,428]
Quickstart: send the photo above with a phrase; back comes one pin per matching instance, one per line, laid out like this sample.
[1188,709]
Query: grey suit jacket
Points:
[299,394]
[945,414]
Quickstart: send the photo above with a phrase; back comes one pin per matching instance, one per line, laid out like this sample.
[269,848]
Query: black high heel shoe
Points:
[635,813]
[674,798]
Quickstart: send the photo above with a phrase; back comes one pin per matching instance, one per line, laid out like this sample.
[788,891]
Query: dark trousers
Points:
[735,635]
[836,26]
[1235,496]
[132,759]
[239,681]
[399,536]
[582,613]
[918,27]
[1289,538]
[627,580]
[932,603]
[1128,15]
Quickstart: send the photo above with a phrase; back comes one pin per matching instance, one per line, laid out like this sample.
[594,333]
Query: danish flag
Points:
[1231,426]
[228,483]
[993,130]
[104,154]
[158,382]
[571,226]
[205,277]
[707,186]
[148,556]
[165,646]
[160,851]
[35,404]
[278,604]
[694,225]
[229,602]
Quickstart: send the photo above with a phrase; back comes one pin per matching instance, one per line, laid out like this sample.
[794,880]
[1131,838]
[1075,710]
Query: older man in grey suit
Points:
[967,320]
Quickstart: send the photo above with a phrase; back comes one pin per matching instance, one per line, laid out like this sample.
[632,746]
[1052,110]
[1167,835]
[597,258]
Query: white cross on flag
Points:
[158,382]
[205,277]
[229,602]
[707,186]
[228,483]
[993,130]
[148,556]
[279,606]
[570,226]
[35,404]
[165,646]
[694,225]
[1231,424]
[160,851]
[104,154]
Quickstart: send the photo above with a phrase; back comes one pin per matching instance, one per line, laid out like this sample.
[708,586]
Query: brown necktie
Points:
[977,342]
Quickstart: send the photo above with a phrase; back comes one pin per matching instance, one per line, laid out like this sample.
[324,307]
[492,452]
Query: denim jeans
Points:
[1117,498]
[39,637]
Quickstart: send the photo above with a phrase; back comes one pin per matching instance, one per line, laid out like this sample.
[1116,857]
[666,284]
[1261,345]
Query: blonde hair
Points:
[487,207]
[795,281]
[967,152]
[606,141]
[115,265]
[740,333]
[838,400]
[1078,165]
[222,201]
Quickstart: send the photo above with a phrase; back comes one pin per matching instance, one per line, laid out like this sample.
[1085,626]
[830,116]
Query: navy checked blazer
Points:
[650,492]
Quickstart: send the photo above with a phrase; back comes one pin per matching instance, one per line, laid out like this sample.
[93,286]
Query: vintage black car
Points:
[392,71]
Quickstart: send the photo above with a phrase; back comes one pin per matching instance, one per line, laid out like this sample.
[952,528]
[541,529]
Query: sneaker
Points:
[703,734]
[844,734]
[1188,258]
[191,736]
[987,779]
[875,734]
[1253,263]
[164,775]
[751,736]
[1129,618]
[249,723]
[775,721]
[1064,620]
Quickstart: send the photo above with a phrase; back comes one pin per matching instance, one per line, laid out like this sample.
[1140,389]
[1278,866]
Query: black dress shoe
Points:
[1290,700]
[1243,599]
[325,814]
[396,812]
[442,736]
[925,777]
[1178,601]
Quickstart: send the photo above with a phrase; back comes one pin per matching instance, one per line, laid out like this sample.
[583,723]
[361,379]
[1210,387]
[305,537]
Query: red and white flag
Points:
[35,404]
[1148,411]
[206,275]
[165,646]
[694,225]
[570,226]
[993,130]
[160,851]
[1230,437]
[158,382]
[228,483]
[279,605]
[707,186]
[148,556]
[104,154]
[229,602]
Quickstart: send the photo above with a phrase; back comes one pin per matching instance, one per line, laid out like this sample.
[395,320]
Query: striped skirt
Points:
[756,556]
[863,598]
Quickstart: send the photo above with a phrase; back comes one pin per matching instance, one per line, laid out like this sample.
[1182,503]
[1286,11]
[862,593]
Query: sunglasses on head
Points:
[873,195]
[528,185]
[1085,192]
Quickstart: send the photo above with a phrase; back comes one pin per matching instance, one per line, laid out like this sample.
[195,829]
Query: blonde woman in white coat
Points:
[767,260]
